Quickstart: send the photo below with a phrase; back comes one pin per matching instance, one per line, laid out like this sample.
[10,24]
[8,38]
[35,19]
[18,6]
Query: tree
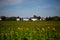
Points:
[39,17]
[34,16]
[54,18]
[3,18]
[10,18]
[18,17]
[13,18]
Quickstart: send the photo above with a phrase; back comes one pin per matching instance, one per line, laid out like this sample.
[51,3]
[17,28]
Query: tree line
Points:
[54,18]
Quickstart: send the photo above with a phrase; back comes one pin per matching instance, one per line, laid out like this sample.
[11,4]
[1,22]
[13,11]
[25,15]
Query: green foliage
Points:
[43,30]
[10,18]
[38,17]
[54,18]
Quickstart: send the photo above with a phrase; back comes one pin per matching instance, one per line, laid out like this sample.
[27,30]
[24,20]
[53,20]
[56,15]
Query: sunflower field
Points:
[29,30]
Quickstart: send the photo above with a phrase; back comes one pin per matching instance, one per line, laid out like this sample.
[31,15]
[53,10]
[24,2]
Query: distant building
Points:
[25,19]
[18,19]
[34,19]
[42,19]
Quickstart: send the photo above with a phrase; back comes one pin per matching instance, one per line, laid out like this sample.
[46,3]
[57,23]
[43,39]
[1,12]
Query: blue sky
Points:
[28,8]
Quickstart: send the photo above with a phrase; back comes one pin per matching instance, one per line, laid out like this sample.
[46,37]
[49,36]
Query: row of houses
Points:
[32,19]
[27,19]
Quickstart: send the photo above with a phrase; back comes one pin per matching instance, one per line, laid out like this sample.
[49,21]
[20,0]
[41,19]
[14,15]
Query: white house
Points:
[40,19]
[34,19]
[25,19]
[43,18]
[18,19]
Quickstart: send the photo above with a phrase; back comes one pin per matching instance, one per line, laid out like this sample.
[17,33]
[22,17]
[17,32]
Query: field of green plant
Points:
[21,30]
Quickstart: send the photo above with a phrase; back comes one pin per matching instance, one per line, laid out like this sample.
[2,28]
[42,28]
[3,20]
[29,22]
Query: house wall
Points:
[18,19]
[34,19]
[25,19]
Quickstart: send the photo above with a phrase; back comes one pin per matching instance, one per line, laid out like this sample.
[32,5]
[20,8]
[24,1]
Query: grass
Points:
[21,30]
